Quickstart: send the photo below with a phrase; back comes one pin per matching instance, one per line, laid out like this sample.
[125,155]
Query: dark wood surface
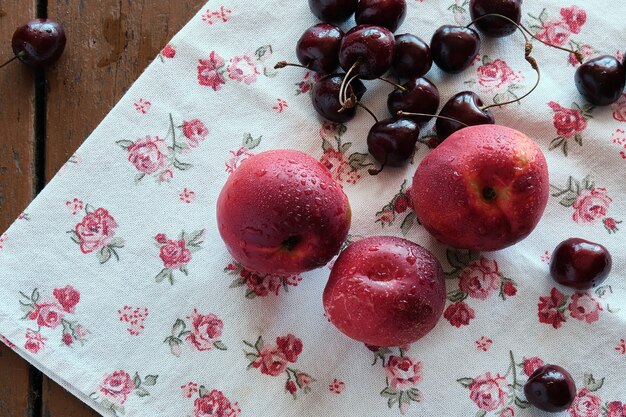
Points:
[46,116]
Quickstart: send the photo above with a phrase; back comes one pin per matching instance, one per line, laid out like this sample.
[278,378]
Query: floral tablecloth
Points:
[115,282]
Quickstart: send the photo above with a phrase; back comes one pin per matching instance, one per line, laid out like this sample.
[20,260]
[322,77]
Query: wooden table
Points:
[45,117]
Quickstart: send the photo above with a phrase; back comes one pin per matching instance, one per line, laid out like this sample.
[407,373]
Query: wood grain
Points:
[14,384]
[110,42]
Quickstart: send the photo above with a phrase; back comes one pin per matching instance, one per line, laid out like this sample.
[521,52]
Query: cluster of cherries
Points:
[369,50]
[38,43]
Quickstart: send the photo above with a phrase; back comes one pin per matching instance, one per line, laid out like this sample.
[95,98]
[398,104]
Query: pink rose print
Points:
[260,285]
[148,154]
[489,392]
[203,334]
[116,388]
[166,176]
[34,341]
[584,307]
[499,78]
[555,32]
[337,386]
[530,365]
[621,347]
[403,372]
[619,138]
[586,404]
[306,85]
[74,206]
[211,71]
[7,342]
[590,203]
[575,17]
[176,253]
[135,318]
[459,314]
[67,297]
[343,166]
[484,344]
[214,404]
[273,361]
[569,123]
[238,156]
[280,105]
[195,131]
[616,409]
[399,204]
[189,389]
[619,109]
[497,392]
[51,312]
[96,233]
[142,106]
[187,196]
[220,15]
[168,52]
[552,308]
[480,279]
[243,69]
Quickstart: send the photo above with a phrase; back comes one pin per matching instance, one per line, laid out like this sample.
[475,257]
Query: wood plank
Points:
[110,42]
[17,169]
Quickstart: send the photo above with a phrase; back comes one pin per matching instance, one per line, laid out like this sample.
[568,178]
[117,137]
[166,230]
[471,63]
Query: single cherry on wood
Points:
[318,47]
[333,11]
[392,141]
[412,57]
[367,51]
[580,264]
[550,388]
[467,109]
[38,43]
[601,80]
[496,26]
[420,95]
[454,48]
[386,13]
[325,97]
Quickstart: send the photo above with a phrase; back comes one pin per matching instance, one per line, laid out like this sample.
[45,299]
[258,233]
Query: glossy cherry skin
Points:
[371,46]
[392,141]
[494,26]
[385,13]
[550,388]
[39,42]
[325,97]
[421,96]
[318,47]
[333,11]
[601,80]
[580,264]
[464,107]
[454,48]
[412,57]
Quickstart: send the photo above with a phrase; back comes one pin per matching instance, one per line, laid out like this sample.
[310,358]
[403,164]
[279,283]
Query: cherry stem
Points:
[398,86]
[528,47]
[342,89]
[436,116]
[283,64]
[9,61]
[579,56]
[373,171]
[358,103]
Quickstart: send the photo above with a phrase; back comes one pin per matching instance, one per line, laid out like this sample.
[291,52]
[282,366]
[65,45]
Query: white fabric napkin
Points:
[116,284]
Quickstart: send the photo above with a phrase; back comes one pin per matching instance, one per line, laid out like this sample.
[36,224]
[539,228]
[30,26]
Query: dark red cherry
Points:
[39,42]
[386,13]
[392,141]
[371,46]
[580,264]
[333,11]
[494,26]
[412,57]
[420,96]
[325,96]
[465,107]
[318,48]
[601,80]
[550,388]
[454,48]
